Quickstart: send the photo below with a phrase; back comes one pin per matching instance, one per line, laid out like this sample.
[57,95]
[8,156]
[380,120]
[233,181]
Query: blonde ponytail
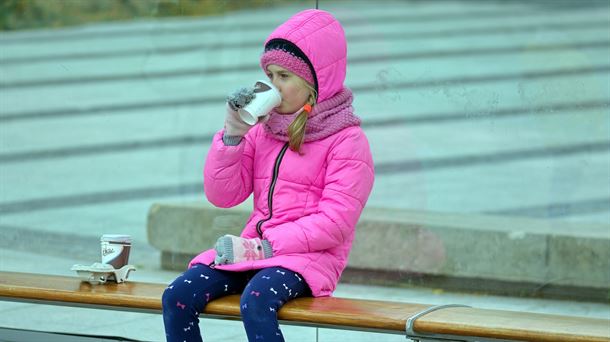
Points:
[296,130]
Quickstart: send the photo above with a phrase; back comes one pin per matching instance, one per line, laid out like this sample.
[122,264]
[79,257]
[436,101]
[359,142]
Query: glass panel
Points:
[488,124]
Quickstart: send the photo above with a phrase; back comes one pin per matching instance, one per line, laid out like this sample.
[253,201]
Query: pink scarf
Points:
[327,118]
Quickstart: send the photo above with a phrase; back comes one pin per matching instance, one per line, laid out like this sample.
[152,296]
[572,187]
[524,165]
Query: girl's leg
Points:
[186,297]
[268,290]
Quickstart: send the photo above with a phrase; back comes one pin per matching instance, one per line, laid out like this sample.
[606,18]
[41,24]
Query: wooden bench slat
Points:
[526,326]
[369,315]
[70,289]
[147,296]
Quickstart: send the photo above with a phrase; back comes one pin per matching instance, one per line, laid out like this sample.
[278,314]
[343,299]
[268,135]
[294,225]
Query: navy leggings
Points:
[263,293]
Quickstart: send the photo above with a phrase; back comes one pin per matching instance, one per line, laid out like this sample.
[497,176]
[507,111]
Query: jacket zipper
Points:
[276,171]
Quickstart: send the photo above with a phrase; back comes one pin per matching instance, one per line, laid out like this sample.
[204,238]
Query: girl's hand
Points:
[232,249]
[235,127]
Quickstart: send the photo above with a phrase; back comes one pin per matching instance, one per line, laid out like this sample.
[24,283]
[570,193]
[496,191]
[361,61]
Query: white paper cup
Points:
[115,249]
[267,97]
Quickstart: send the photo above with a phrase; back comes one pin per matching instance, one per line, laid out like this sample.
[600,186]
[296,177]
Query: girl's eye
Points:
[283,75]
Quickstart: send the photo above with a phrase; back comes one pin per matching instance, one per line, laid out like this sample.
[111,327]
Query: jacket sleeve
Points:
[348,183]
[227,173]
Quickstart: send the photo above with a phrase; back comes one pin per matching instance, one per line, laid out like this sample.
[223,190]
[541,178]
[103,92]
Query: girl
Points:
[309,166]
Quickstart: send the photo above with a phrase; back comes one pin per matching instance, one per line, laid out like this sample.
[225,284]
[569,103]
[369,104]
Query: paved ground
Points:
[470,106]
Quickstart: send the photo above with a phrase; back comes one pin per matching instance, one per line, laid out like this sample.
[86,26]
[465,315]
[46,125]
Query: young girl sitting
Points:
[309,167]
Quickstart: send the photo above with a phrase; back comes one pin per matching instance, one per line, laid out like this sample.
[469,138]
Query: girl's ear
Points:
[312,97]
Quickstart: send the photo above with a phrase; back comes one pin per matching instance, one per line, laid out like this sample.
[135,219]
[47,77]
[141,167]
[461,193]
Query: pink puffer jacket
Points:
[306,205]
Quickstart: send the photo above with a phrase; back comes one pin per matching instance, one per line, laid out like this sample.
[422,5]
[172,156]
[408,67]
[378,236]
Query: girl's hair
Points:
[296,130]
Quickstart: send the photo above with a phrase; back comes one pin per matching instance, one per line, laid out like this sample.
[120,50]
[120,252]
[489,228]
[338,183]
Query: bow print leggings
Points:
[263,292]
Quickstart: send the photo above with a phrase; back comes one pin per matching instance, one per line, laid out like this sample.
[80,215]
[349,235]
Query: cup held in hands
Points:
[267,97]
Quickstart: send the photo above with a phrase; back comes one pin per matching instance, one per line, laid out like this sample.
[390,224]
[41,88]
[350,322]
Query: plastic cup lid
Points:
[116,238]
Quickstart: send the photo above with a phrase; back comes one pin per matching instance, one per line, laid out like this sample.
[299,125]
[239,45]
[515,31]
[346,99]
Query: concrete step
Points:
[243,29]
[403,244]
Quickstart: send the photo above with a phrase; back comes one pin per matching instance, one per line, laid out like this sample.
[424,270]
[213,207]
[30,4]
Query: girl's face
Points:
[292,89]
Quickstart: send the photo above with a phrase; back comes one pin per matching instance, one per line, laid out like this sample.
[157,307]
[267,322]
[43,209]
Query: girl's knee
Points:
[178,291]
[169,297]
[254,306]
[245,302]
[176,297]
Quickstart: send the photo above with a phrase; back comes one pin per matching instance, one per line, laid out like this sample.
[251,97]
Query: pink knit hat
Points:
[286,55]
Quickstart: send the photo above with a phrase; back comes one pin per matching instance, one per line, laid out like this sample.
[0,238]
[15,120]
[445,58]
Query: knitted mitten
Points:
[232,249]
[240,98]
[235,127]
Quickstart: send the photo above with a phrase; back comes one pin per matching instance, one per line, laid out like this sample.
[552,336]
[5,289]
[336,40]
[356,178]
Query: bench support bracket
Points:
[422,337]
[419,337]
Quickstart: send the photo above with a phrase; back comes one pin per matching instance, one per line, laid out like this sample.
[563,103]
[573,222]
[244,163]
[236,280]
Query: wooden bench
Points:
[442,323]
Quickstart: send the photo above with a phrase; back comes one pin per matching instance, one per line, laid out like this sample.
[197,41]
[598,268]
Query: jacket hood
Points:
[320,37]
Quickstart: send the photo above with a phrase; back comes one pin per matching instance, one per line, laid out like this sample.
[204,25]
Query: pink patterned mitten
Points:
[232,249]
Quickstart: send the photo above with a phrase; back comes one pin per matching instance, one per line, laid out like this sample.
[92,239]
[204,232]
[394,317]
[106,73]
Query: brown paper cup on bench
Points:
[115,249]
[267,97]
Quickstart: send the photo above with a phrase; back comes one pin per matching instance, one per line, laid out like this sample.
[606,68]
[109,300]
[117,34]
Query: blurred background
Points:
[489,123]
